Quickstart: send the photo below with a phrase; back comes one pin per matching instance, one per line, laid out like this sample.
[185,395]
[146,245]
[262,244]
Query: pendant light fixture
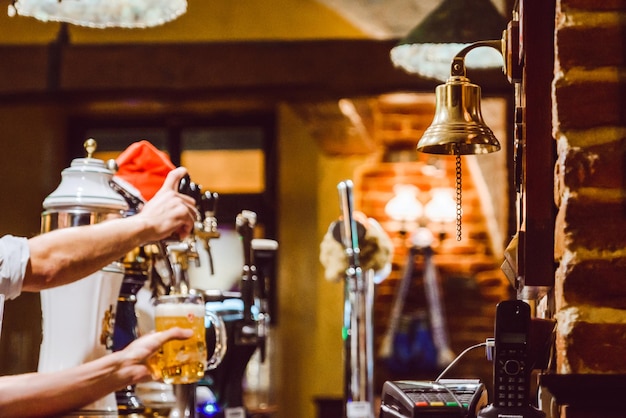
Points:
[429,48]
[101,13]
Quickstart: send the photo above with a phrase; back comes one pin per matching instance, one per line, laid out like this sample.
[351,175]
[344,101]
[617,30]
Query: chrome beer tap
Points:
[358,311]
[247,332]
[206,228]
[180,254]
[245,324]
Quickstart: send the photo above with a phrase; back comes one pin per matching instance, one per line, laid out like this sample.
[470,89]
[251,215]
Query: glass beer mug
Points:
[185,361]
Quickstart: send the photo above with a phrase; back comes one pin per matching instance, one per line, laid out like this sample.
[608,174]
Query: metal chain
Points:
[458,194]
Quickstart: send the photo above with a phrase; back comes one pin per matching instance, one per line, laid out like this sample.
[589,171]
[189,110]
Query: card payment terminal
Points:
[454,398]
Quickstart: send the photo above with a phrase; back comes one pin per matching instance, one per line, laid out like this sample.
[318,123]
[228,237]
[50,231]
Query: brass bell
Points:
[458,127]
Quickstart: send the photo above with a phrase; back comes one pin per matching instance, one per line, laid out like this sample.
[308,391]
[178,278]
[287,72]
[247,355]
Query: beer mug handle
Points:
[220,340]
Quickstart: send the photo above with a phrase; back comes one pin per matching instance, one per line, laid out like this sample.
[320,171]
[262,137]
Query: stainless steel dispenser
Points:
[78,318]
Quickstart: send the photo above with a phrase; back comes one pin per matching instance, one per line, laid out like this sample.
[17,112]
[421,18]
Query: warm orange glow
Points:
[227,171]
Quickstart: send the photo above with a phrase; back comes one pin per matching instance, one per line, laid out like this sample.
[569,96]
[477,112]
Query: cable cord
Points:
[456,360]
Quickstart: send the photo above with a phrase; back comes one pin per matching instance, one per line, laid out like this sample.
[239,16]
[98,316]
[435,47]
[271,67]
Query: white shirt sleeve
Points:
[14,256]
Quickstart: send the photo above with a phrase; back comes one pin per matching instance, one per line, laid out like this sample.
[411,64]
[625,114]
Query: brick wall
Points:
[589,125]
[470,276]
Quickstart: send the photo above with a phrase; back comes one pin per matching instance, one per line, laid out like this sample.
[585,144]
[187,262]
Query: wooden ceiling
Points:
[313,76]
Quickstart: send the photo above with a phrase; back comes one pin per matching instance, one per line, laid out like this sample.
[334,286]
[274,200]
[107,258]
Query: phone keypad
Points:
[511,378]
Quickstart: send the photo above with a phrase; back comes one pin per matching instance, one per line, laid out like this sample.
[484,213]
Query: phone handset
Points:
[511,368]
[511,371]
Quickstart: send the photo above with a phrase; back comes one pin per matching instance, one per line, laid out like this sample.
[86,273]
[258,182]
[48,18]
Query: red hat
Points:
[145,167]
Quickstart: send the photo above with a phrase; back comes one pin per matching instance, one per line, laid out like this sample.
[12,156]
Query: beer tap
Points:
[358,303]
[248,329]
[180,253]
[264,256]
[206,230]
[246,312]
[193,190]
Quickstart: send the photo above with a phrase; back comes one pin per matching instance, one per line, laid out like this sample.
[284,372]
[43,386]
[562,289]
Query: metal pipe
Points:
[358,327]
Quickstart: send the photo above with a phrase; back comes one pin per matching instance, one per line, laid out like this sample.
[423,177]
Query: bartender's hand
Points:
[136,362]
[170,212]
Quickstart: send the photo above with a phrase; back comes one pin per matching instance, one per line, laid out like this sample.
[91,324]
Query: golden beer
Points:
[181,361]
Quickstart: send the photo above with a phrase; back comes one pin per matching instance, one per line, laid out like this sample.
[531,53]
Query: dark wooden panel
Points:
[537,243]
[23,69]
[290,69]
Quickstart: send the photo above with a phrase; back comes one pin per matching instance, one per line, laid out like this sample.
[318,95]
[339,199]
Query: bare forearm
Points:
[50,394]
[68,254]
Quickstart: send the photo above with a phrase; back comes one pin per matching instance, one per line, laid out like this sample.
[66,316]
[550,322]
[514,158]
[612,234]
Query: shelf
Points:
[585,389]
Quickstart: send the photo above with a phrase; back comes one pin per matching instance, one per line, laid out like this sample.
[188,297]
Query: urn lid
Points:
[86,183]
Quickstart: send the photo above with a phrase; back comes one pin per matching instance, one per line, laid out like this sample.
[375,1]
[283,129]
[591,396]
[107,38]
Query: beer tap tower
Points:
[358,307]
[171,259]
[248,321]
[179,254]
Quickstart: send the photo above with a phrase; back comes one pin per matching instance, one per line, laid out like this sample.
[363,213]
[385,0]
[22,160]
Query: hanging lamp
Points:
[429,48]
[101,13]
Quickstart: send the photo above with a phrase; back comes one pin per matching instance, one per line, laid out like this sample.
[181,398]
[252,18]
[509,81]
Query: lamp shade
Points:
[404,206]
[429,48]
[441,207]
[102,13]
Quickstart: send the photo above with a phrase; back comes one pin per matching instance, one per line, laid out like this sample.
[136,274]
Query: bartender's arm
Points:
[51,394]
[65,255]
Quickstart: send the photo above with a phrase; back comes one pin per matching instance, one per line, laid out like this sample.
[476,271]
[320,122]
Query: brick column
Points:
[589,122]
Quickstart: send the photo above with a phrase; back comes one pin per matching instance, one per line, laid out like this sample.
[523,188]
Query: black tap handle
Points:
[183,185]
[195,191]
[189,188]
[208,203]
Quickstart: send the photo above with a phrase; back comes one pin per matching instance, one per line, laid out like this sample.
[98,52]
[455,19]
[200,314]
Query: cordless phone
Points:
[511,371]
[511,364]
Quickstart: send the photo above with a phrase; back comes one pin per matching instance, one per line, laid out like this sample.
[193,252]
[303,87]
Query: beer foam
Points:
[179,309]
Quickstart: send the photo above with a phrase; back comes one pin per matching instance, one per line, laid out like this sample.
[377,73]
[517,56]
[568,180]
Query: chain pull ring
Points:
[458,192]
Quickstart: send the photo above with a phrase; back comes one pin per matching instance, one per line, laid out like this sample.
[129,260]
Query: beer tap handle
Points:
[195,191]
[189,188]
[183,185]
[264,256]
[248,332]
[245,223]
[349,233]
[208,204]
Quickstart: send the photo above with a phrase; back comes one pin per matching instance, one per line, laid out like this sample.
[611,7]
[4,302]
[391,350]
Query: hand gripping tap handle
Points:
[172,253]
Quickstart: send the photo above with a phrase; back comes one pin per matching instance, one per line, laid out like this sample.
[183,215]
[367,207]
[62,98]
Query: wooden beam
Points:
[284,70]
